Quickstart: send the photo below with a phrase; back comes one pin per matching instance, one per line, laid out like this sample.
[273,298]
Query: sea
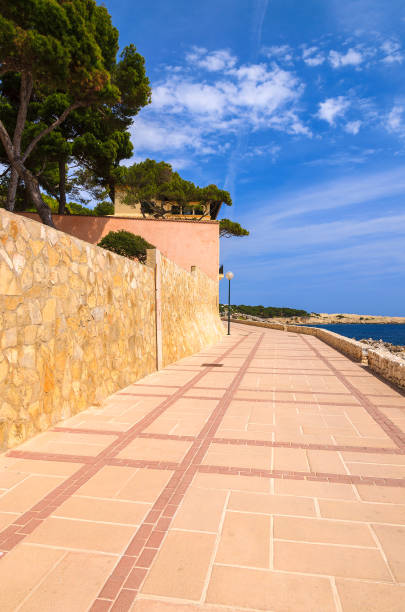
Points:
[388,332]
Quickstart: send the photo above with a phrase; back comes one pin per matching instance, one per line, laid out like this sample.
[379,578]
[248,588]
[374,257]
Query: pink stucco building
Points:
[186,242]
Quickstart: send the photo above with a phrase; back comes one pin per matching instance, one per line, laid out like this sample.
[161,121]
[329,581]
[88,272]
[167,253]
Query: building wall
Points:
[186,243]
[121,209]
[78,322]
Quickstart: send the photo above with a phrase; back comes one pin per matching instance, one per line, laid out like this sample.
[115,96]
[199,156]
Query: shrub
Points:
[126,244]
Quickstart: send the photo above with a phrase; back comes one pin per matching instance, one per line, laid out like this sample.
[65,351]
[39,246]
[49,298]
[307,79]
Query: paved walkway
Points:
[266,473]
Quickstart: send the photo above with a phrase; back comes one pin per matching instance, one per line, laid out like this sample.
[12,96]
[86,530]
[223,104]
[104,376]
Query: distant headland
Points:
[300,316]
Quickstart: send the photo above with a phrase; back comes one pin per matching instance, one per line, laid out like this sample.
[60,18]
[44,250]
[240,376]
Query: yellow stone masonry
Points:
[78,323]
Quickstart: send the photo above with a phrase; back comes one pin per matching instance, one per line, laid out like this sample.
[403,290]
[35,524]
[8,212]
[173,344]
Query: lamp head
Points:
[229,275]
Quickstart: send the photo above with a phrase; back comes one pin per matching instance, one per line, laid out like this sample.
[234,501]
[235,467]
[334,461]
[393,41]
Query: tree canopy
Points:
[59,61]
[228,229]
[154,183]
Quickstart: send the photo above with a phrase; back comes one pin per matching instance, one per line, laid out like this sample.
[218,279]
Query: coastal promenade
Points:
[264,473]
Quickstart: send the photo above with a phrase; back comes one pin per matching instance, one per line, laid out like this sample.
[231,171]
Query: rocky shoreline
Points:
[385,347]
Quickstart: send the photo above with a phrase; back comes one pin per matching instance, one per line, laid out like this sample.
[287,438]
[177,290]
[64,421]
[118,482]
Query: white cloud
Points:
[392,51]
[312,56]
[332,108]
[156,136]
[352,57]
[200,114]
[394,119]
[213,61]
[282,53]
[352,127]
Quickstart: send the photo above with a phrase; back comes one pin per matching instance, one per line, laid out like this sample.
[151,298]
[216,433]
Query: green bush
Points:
[126,244]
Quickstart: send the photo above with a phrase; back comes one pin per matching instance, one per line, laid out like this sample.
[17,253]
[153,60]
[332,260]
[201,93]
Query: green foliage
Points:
[126,244]
[78,209]
[267,312]
[228,228]
[150,180]
[65,52]
[103,209]
[68,47]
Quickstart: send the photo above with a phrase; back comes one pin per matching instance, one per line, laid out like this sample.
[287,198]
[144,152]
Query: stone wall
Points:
[78,323]
[387,366]
[190,306]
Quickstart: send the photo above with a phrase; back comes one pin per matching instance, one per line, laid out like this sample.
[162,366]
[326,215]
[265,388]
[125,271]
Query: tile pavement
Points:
[273,482]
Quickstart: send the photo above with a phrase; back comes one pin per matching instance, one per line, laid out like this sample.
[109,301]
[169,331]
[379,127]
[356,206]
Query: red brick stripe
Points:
[11,536]
[147,540]
[392,431]
[292,475]
[326,447]
[87,430]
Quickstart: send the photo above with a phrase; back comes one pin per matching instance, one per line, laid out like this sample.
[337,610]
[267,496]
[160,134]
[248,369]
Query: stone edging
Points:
[388,367]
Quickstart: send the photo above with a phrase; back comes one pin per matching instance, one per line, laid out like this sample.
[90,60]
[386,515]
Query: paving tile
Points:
[271,504]
[258,457]
[379,458]
[344,561]
[380,442]
[325,461]
[68,443]
[309,488]
[72,585]
[199,511]
[22,569]
[66,533]
[107,482]
[102,510]
[366,512]
[6,518]
[235,483]
[181,566]
[322,531]
[392,539]
[265,590]
[152,605]
[376,471]
[290,459]
[155,450]
[373,493]
[245,540]
[370,596]
[39,467]
[145,485]
[28,493]
[9,479]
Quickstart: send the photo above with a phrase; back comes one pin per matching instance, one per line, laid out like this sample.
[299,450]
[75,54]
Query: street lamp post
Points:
[229,276]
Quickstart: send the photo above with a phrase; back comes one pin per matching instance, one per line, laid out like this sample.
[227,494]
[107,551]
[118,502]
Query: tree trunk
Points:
[12,190]
[32,186]
[62,187]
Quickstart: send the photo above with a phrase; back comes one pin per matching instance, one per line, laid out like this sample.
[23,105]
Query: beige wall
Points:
[190,306]
[187,243]
[78,323]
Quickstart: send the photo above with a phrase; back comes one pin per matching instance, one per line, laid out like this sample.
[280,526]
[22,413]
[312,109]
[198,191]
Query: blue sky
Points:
[298,108]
